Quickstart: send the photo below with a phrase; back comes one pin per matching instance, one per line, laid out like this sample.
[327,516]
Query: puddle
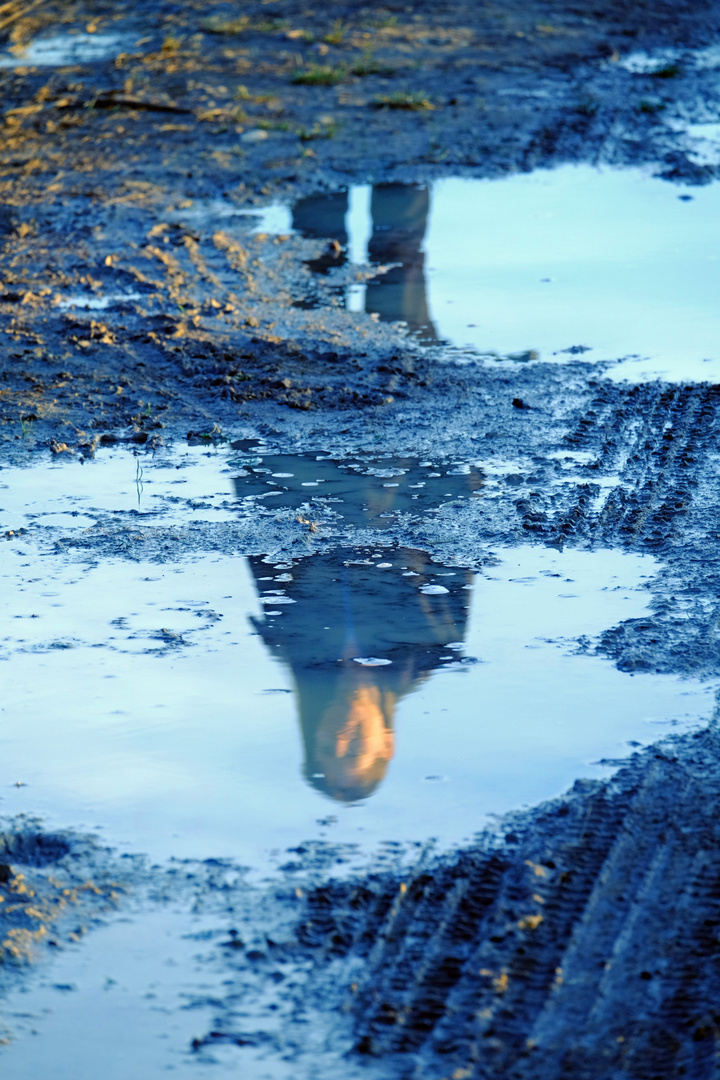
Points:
[59,50]
[224,705]
[234,706]
[98,303]
[202,485]
[529,267]
[275,218]
[359,492]
[642,63]
[217,708]
[192,486]
[142,975]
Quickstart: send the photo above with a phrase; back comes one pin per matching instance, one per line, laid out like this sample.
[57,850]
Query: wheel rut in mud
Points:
[552,953]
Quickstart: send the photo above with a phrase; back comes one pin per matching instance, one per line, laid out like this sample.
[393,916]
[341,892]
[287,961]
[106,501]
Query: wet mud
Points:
[55,887]
[552,952]
[177,271]
[122,174]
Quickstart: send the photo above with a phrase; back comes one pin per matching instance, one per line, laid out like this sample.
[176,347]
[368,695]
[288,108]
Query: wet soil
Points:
[580,944]
[118,174]
[552,952]
[54,888]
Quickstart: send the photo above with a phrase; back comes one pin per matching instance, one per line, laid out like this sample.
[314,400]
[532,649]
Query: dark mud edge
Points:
[54,887]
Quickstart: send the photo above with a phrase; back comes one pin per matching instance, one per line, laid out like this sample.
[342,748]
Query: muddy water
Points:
[233,705]
[613,264]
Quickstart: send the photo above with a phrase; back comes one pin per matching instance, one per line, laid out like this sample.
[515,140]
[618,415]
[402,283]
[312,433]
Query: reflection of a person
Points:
[347,609]
[399,215]
[322,217]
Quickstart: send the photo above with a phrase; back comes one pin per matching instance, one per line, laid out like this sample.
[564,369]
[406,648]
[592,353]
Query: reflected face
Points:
[354,742]
[358,634]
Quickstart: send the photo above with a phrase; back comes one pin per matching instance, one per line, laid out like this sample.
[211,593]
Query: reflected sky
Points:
[358,634]
[220,705]
[614,260]
[61,49]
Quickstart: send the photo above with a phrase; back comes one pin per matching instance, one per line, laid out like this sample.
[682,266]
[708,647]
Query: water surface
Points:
[611,263]
[234,705]
[57,50]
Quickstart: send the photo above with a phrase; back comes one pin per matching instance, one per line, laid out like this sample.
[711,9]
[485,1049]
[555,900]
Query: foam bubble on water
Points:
[371,661]
[433,590]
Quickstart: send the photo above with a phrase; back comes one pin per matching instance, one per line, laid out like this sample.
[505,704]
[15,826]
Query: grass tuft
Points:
[217,25]
[318,75]
[337,33]
[415,102]
[318,131]
[370,66]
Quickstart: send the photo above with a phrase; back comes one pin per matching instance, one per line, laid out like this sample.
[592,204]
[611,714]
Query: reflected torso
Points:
[345,609]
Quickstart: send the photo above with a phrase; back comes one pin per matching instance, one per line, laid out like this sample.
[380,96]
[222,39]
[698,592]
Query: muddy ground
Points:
[115,176]
[584,943]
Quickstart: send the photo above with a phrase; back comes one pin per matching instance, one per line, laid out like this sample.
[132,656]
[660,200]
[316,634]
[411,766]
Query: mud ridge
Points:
[549,953]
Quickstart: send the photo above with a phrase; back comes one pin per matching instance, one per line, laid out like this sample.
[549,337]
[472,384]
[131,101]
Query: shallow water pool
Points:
[612,264]
[232,705]
[56,50]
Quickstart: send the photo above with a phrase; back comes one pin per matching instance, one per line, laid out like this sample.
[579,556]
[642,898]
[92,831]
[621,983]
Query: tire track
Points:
[556,955]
